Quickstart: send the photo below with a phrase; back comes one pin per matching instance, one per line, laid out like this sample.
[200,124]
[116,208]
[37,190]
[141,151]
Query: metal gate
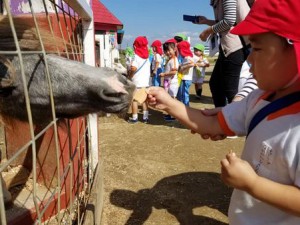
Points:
[49,168]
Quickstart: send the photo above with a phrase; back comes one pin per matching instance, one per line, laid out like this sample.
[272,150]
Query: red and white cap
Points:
[184,49]
[140,45]
[158,46]
[281,17]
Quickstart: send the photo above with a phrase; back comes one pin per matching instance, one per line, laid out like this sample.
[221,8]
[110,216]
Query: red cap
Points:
[157,45]
[171,41]
[140,47]
[280,17]
[184,49]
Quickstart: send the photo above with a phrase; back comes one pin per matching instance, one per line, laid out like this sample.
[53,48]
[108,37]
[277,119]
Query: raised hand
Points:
[158,98]
[205,34]
[201,20]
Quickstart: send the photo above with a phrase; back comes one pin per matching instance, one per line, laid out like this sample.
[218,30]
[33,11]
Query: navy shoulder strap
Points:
[273,107]
[141,66]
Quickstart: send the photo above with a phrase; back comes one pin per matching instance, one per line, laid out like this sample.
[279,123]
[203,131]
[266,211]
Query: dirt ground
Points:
[161,174]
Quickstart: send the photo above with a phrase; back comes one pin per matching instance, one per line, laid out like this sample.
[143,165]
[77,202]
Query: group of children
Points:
[172,62]
[266,177]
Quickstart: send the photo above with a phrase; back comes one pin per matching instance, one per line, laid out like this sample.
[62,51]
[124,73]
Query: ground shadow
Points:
[204,99]
[179,195]
[208,73]
[156,117]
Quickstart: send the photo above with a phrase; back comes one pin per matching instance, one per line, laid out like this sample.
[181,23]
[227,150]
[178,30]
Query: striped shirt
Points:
[248,87]
[229,20]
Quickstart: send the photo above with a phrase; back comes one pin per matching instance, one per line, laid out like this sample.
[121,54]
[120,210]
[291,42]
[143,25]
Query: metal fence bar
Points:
[73,36]
[50,26]
[70,165]
[27,102]
[2,208]
[68,32]
[24,148]
[74,43]
[34,152]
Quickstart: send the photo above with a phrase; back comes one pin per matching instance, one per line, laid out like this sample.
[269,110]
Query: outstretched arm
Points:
[190,117]
[204,20]
[229,20]
[240,175]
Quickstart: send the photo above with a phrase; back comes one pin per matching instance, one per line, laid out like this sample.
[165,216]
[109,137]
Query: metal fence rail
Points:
[59,199]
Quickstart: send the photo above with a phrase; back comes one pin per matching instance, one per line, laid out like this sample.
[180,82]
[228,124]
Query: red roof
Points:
[103,18]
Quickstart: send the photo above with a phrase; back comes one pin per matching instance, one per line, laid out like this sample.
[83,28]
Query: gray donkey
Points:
[78,89]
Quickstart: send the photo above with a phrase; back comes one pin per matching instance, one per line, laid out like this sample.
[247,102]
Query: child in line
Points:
[151,55]
[179,38]
[170,75]
[199,70]
[266,179]
[129,56]
[140,75]
[185,72]
[157,62]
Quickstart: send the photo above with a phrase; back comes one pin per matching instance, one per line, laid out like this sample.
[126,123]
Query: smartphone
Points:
[190,18]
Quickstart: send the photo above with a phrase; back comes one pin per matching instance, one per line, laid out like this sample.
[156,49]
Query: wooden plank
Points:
[94,208]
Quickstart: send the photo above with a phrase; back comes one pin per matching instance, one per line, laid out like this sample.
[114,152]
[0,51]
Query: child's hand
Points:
[237,173]
[211,112]
[162,74]
[158,98]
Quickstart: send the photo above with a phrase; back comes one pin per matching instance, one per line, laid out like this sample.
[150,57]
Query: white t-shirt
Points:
[158,59]
[142,77]
[199,72]
[273,151]
[188,75]
[172,65]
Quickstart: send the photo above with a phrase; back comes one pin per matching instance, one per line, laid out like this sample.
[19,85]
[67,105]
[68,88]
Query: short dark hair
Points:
[178,39]
[168,45]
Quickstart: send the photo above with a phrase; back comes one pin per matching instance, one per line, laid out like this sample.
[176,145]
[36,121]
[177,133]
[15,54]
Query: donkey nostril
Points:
[116,95]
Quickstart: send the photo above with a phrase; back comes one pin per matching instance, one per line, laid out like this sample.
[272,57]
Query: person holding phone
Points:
[224,80]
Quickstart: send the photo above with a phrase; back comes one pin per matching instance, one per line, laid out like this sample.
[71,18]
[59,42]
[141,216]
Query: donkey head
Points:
[78,89]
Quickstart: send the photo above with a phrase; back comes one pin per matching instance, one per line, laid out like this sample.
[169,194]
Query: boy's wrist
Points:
[173,106]
[252,185]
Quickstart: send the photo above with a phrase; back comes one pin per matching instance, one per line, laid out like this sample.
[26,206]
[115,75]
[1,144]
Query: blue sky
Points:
[158,19]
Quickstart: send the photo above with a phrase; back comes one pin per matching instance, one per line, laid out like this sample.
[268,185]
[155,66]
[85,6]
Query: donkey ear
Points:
[7,73]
